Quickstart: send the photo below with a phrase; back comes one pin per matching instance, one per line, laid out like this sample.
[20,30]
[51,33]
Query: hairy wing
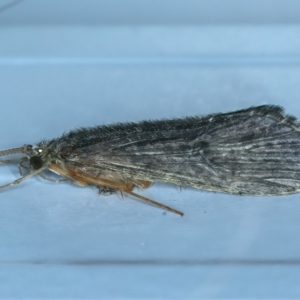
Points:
[253,151]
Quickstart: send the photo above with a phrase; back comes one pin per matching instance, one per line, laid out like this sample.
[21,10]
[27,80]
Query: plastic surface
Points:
[63,241]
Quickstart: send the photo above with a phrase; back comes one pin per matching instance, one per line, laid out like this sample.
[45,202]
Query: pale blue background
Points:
[66,64]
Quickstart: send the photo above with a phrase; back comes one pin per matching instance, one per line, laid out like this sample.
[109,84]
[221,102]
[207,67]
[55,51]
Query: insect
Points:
[254,151]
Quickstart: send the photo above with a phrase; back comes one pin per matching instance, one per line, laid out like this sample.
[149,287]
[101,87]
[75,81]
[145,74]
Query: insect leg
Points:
[157,204]
[84,179]
[106,191]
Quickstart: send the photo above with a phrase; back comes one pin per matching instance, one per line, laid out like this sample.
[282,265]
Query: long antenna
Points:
[13,151]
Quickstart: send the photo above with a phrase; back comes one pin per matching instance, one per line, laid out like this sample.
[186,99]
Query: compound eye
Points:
[36,162]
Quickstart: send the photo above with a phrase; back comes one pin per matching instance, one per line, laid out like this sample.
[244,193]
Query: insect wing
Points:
[252,151]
